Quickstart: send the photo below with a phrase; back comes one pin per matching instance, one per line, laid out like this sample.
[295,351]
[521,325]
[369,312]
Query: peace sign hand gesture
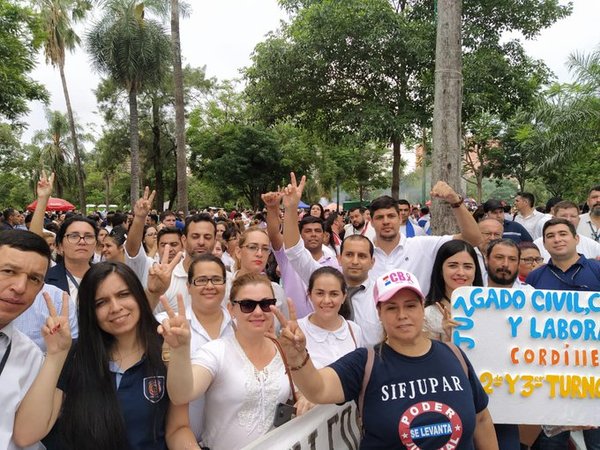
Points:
[56,331]
[448,323]
[291,337]
[144,203]
[293,192]
[159,276]
[44,185]
[175,329]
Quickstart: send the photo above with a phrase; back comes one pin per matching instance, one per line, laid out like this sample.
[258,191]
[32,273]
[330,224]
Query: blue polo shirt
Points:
[143,402]
[516,232]
[584,275]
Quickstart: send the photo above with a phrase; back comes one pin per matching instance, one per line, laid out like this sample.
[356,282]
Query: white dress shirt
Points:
[22,366]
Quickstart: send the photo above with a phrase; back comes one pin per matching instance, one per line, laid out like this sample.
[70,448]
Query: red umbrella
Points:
[54,204]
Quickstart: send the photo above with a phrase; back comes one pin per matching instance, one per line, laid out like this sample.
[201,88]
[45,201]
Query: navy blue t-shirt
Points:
[143,401]
[423,402]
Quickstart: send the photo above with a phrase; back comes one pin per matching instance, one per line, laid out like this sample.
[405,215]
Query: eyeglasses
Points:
[532,260]
[248,306]
[203,281]
[255,247]
[75,238]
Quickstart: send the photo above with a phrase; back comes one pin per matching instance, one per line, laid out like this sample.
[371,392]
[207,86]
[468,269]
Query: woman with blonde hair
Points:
[242,376]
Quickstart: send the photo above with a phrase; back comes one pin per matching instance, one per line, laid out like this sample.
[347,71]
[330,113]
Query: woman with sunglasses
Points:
[108,391]
[242,376]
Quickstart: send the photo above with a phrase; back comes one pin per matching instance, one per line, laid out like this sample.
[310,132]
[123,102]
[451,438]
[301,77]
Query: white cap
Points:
[394,281]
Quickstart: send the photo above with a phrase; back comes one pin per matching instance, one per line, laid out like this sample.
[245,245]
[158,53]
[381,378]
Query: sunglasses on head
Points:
[248,306]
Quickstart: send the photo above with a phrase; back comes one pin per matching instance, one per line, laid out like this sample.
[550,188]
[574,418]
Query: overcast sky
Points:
[221,34]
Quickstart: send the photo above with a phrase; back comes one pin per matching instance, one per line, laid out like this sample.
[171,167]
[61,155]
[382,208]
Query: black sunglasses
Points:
[248,306]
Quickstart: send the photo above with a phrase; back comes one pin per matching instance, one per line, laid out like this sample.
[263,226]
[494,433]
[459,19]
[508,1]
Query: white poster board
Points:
[323,427]
[536,352]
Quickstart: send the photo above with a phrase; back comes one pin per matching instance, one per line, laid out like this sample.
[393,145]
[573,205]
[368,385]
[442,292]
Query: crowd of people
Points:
[139,330]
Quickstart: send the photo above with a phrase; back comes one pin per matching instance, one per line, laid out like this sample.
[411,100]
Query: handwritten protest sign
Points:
[537,352]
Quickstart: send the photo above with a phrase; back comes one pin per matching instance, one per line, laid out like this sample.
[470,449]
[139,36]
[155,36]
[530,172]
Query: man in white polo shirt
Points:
[589,223]
[394,251]
[528,216]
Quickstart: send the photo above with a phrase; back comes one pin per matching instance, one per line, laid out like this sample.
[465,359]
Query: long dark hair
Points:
[91,416]
[437,290]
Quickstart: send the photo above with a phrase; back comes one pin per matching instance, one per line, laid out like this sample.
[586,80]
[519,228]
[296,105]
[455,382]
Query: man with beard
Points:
[503,264]
[358,224]
[502,272]
[589,223]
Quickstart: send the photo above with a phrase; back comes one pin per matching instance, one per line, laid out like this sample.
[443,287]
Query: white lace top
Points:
[241,400]
[433,322]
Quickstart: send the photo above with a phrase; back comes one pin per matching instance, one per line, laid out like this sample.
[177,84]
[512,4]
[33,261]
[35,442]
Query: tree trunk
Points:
[182,192]
[134,144]
[396,167]
[80,184]
[157,158]
[446,159]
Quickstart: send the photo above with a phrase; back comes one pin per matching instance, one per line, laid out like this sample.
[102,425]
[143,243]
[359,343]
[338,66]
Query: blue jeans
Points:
[561,441]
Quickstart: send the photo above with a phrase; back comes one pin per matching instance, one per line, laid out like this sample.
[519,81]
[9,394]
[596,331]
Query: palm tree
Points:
[568,119]
[57,16]
[182,193]
[135,52]
[53,149]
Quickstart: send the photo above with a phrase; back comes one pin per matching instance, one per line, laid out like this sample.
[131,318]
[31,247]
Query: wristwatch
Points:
[458,203]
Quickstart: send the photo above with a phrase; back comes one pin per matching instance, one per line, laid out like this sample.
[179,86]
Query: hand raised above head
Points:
[272,199]
[45,185]
[57,331]
[175,329]
[143,205]
[293,192]
[444,191]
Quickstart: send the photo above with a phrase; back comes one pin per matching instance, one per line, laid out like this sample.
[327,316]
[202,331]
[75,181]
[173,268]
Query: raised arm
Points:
[469,231]
[39,409]
[184,381]
[44,190]
[291,200]
[136,231]
[318,386]
[272,200]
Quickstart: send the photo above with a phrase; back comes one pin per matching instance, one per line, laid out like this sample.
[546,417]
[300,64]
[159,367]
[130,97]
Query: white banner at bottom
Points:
[323,427]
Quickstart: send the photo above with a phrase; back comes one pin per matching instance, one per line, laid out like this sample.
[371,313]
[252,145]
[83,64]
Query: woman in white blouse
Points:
[242,376]
[329,335]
